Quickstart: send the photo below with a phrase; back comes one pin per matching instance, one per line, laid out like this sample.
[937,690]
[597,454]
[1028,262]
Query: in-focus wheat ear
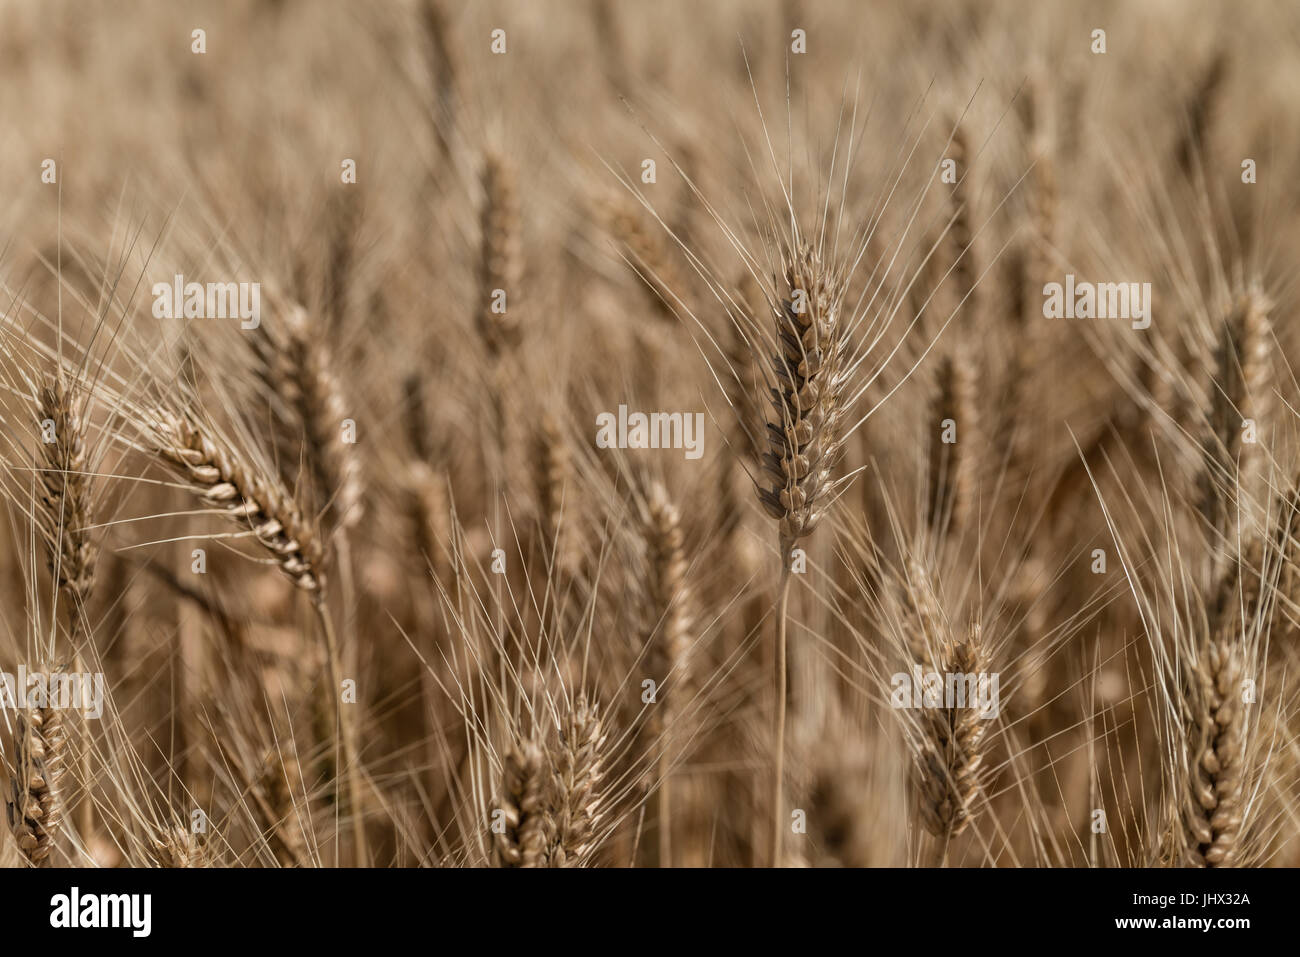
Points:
[65,478]
[1213,804]
[803,443]
[35,803]
[579,771]
[222,479]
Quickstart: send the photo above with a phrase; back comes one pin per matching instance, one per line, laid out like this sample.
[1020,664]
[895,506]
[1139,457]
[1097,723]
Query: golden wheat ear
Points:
[499,259]
[522,799]
[808,370]
[223,479]
[66,479]
[1212,809]
[35,804]
[579,759]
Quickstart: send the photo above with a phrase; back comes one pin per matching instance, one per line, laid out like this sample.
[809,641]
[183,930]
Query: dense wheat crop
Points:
[540,434]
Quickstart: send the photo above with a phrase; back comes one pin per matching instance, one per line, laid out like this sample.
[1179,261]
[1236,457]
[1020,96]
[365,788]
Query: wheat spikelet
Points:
[923,604]
[429,515]
[444,67]
[670,636]
[35,805]
[1192,144]
[344,215]
[273,805]
[1044,196]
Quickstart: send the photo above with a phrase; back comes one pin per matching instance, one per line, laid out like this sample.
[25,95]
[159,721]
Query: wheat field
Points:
[586,434]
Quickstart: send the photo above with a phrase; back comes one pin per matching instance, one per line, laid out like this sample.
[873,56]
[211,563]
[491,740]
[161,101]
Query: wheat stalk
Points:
[952,465]
[67,499]
[579,763]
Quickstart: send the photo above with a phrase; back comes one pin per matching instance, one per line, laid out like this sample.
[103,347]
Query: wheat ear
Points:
[35,805]
[499,258]
[947,769]
[298,369]
[579,765]
[66,479]
[222,479]
[961,230]
[1212,808]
